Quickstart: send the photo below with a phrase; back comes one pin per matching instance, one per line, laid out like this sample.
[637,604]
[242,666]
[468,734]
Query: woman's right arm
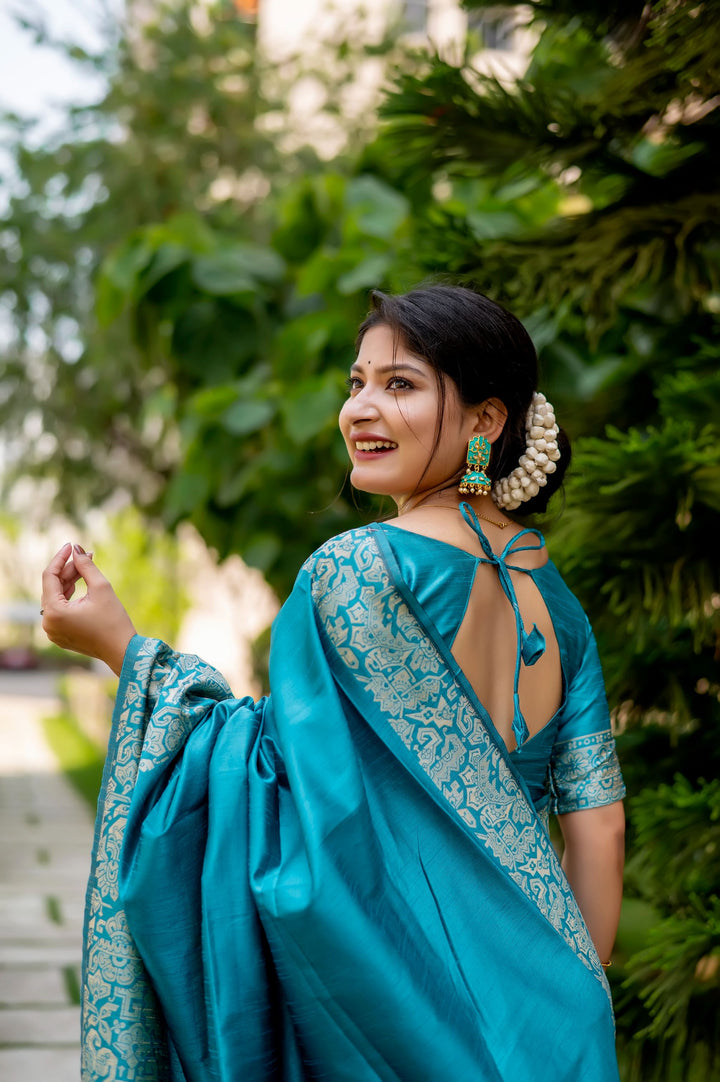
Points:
[587,792]
[593,862]
[96,624]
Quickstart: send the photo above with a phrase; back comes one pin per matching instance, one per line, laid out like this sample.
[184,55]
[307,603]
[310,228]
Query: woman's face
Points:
[389,422]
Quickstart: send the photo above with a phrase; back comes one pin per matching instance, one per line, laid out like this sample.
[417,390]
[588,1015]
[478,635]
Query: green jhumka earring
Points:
[476,482]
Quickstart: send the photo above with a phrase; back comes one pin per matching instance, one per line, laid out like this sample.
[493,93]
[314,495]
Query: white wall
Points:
[287,26]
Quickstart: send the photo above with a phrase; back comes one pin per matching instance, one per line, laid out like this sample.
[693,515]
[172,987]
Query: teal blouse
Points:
[571,763]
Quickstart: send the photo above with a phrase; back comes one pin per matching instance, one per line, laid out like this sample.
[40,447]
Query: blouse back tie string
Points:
[530,646]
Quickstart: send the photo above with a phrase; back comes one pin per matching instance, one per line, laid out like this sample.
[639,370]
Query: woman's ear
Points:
[490,418]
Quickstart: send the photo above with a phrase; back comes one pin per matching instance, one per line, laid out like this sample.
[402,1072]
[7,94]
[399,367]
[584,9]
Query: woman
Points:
[352,878]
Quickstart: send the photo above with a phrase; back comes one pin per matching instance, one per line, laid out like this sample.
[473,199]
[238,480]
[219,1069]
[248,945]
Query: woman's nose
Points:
[362,406]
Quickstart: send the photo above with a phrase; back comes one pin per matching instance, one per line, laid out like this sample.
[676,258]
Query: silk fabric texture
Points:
[283,890]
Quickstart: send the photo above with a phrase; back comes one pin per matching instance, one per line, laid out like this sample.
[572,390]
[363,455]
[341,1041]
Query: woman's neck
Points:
[447,498]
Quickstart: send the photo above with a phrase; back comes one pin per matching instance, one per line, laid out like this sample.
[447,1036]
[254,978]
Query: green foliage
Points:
[677,855]
[648,502]
[680,964]
[175,216]
[149,149]
[255,347]
[676,862]
[143,564]
[80,759]
[616,123]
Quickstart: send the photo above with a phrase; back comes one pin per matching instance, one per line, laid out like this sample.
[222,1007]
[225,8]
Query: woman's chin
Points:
[373,486]
[372,490]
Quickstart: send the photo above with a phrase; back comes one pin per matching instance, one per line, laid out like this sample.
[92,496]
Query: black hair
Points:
[485,351]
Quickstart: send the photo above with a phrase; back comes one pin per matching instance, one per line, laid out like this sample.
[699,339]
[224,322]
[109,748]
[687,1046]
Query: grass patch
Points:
[55,659]
[81,761]
[72,984]
[52,906]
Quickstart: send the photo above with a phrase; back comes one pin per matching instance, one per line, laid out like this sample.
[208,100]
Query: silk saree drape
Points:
[344,881]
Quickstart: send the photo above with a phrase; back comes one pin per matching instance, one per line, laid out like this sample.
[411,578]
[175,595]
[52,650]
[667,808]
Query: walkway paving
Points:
[45,838]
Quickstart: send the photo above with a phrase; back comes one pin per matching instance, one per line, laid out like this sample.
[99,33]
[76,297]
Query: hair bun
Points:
[542,453]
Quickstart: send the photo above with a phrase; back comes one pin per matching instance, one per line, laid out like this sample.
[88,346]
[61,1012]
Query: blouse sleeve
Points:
[584,769]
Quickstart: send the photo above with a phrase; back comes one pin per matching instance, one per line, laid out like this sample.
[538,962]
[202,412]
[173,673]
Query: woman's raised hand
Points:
[97,624]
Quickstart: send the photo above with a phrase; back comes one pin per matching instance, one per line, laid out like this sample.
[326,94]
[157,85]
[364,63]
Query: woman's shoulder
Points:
[346,570]
[350,547]
[571,623]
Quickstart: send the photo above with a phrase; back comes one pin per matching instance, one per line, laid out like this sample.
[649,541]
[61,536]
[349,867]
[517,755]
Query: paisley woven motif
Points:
[394,658]
[122,1040]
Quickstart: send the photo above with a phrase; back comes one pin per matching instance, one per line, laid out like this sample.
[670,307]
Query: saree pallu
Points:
[344,881]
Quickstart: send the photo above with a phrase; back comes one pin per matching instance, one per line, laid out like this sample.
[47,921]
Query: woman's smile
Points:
[369,445]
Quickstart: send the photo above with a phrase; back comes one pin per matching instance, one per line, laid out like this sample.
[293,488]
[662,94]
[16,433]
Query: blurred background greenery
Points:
[185,263]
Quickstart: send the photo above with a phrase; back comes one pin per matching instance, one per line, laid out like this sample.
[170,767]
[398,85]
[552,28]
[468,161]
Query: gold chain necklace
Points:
[493,521]
[485,518]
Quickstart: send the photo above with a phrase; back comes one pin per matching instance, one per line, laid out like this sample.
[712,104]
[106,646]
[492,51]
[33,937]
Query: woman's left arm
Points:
[593,862]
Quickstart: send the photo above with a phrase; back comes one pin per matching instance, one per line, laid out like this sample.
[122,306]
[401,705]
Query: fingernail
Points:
[89,555]
[80,550]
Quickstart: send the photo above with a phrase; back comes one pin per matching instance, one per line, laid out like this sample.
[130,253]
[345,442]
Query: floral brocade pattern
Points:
[585,773]
[390,654]
[122,1040]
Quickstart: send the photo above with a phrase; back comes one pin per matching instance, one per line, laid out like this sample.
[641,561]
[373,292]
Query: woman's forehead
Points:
[381,345]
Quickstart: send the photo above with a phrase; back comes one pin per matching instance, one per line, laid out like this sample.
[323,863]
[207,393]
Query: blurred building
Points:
[295,32]
[503,36]
[284,26]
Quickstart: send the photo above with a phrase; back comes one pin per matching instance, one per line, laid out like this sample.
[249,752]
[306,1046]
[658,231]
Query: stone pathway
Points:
[45,838]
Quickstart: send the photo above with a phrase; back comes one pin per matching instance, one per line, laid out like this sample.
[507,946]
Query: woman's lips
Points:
[371,446]
[380,453]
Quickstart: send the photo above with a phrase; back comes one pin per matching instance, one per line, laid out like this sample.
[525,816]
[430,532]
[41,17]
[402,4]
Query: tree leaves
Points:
[374,209]
[237,269]
[311,407]
[604,117]
[247,416]
[140,256]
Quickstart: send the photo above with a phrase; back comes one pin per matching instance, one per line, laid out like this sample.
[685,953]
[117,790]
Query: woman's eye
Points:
[396,383]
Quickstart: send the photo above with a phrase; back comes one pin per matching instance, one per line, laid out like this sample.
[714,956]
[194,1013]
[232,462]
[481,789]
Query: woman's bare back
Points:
[485,646]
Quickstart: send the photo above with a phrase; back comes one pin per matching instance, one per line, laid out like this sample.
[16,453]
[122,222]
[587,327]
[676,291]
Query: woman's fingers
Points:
[52,585]
[86,569]
[69,591]
[68,577]
[95,624]
[63,573]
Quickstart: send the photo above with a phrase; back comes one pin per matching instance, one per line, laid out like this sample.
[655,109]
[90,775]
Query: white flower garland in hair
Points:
[541,454]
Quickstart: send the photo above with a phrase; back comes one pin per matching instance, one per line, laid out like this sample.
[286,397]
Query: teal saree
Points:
[347,880]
